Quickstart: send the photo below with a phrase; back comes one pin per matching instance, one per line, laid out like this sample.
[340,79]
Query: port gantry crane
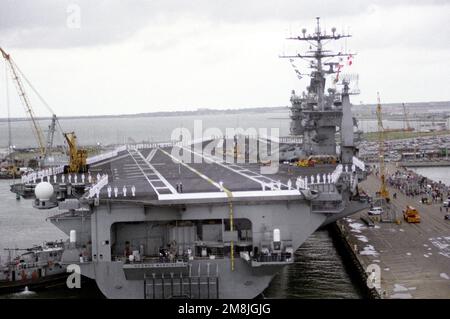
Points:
[407,125]
[45,146]
[25,101]
[406,120]
[77,157]
[384,193]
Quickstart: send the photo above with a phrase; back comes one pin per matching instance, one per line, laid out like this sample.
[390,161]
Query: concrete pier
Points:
[413,259]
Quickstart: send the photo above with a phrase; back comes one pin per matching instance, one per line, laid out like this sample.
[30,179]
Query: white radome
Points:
[43,191]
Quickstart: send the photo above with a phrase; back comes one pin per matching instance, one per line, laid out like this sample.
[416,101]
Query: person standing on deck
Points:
[127,251]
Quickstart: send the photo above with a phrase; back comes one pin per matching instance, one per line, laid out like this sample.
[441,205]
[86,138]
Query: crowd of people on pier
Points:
[412,184]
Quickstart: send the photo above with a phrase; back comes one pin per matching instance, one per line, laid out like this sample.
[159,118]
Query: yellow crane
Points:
[77,157]
[384,193]
[25,100]
[406,119]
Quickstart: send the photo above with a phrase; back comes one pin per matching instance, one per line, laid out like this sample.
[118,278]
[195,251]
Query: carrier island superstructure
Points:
[144,223]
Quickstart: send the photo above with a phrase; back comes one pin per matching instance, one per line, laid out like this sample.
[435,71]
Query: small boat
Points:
[37,268]
[7,174]
[13,172]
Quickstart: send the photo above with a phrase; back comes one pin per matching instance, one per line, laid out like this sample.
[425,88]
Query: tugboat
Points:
[10,172]
[36,269]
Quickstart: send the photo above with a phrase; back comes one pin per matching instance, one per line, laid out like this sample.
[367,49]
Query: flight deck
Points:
[155,171]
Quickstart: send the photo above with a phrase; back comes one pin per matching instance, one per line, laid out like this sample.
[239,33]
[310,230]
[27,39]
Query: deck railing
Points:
[107,155]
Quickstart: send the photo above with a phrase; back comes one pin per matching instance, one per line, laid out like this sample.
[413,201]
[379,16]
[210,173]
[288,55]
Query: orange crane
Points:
[25,100]
[384,193]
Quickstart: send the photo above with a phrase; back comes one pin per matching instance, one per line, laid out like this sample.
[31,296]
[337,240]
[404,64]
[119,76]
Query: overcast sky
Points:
[134,56]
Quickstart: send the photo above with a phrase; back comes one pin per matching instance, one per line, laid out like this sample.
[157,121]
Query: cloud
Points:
[43,23]
[418,27]
[165,55]
[47,24]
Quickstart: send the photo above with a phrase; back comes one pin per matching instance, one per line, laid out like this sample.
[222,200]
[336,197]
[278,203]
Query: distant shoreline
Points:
[161,114]
[265,109]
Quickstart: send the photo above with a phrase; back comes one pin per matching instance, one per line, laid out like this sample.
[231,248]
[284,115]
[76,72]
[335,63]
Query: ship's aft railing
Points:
[281,139]
[345,169]
[290,139]
[188,142]
[107,155]
[42,174]
[47,173]
[141,146]
[308,182]
[326,182]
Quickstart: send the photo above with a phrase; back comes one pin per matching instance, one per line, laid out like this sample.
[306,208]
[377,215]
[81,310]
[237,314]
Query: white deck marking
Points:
[151,155]
[134,175]
[109,161]
[240,170]
[139,158]
[238,194]
[208,179]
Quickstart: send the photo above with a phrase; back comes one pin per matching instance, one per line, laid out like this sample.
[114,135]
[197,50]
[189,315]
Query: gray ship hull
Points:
[242,283]
[248,279]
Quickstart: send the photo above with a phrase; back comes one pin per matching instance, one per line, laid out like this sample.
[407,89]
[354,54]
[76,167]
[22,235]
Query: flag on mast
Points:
[340,66]
[295,69]
[350,59]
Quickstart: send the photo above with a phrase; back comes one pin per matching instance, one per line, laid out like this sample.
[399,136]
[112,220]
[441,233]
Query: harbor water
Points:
[437,174]
[117,130]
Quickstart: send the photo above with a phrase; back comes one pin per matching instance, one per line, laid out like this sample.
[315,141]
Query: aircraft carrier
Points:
[215,217]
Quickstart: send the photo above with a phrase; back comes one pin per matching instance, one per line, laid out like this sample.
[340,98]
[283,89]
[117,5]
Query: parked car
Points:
[447,217]
[364,198]
[376,211]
